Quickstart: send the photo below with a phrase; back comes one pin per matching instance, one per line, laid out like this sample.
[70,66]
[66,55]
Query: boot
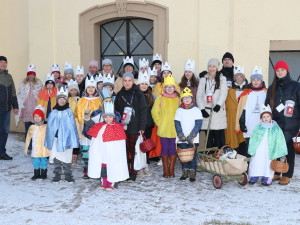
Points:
[192,175]
[172,165]
[165,162]
[185,174]
[104,183]
[36,175]
[284,180]
[74,159]
[276,177]
[69,178]
[110,186]
[43,174]
[85,173]
[56,178]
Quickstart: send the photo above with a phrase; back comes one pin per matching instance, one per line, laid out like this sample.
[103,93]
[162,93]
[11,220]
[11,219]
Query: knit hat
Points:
[238,71]
[73,85]
[62,93]
[169,80]
[228,55]
[256,73]
[128,74]
[281,64]
[109,80]
[68,68]
[213,61]
[39,110]
[185,93]
[265,109]
[106,61]
[3,58]
[94,63]
[31,70]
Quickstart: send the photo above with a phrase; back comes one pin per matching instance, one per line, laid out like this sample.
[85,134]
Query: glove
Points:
[204,113]
[217,108]
[87,114]
[243,128]
[191,137]
[181,137]
[202,74]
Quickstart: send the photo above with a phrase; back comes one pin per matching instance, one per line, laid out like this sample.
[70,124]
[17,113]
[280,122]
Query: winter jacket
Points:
[228,73]
[119,84]
[150,121]
[139,120]
[81,88]
[7,92]
[218,121]
[291,91]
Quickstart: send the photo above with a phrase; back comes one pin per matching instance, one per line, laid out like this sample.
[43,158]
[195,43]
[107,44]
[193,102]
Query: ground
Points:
[150,200]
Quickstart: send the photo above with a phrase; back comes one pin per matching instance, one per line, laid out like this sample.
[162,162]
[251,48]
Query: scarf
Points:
[61,108]
[174,95]
[183,106]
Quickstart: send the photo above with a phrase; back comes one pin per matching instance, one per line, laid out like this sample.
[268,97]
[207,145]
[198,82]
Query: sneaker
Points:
[192,175]
[70,179]
[185,174]
[85,176]
[159,163]
[102,187]
[56,179]
[253,180]
[5,157]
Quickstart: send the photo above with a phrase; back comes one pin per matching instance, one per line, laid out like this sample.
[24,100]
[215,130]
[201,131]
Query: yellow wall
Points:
[47,32]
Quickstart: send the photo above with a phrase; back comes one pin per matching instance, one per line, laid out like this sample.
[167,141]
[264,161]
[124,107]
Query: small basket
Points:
[279,167]
[296,144]
[215,155]
[185,155]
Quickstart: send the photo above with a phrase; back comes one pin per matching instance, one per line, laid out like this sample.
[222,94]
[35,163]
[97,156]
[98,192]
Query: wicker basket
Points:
[296,144]
[185,155]
[215,155]
[279,167]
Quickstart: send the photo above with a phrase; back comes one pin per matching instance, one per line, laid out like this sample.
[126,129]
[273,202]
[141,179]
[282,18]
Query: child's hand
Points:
[190,139]
[87,114]
[181,137]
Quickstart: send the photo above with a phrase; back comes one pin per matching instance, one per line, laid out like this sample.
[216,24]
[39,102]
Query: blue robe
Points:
[64,123]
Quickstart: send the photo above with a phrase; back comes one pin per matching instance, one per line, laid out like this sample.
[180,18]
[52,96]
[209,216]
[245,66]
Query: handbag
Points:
[147,145]
[140,158]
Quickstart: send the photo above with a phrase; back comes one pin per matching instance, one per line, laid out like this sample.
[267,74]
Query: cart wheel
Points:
[244,180]
[217,181]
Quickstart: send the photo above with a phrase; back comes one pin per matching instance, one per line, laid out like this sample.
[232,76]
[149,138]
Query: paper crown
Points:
[98,78]
[108,108]
[62,93]
[31,68]
[169,80]
[49,77]
[152,72]
[90,82]
[39,107]
[186,92]
[143,78]
[256,70]
[79,71]
[238,69]
[157,58]
[73,85]
[143,63]
[55,68]
[108,80]
[128,60]
[68,66]
[190,65]
[265,109]
[166,66]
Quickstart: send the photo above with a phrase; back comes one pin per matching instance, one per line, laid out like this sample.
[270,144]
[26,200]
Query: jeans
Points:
[4,130]
[27,125]
[192,164]
[40,162]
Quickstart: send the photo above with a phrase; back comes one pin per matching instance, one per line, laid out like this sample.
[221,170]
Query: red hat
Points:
[39,110]
[281,64]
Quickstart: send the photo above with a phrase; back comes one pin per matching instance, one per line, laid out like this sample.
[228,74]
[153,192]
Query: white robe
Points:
[260,164]
[65,156]
[112,153]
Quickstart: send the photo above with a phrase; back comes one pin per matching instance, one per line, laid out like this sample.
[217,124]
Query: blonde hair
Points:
[26,80]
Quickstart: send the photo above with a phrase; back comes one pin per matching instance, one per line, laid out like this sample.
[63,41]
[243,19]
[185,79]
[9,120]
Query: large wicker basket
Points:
[296,144]
[279,167]
[185,155]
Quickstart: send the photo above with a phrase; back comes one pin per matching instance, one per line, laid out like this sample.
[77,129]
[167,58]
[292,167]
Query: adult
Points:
[282,89]
[93,69]
[107,68]
[9,100]
[130,96]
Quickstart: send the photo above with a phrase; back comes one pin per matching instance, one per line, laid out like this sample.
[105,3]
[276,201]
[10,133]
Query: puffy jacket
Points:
[7,92]
[291,91]
[139,120]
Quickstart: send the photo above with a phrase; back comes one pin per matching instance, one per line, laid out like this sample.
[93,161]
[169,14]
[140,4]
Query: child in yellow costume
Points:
[91,101]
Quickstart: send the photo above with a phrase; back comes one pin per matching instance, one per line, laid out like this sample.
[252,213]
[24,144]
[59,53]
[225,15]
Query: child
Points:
[108,158]
[143,65]
[163,113]
[68,73]
[73,99]
[247,116]
[55,71]
[156,63]
[153,77]
[267,143]
[108,84]
[99,82]
[188,122]
[47,96]
[61,137]
[80,78]
[188,79]
[89,101]
[37,133]
[165,71]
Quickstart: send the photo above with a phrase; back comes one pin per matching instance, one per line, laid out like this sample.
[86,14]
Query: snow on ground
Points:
[150,200]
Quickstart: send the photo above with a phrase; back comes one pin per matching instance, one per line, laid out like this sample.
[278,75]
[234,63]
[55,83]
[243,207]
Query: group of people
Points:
[101,115]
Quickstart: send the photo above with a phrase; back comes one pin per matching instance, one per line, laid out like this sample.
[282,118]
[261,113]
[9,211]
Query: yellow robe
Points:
[73,103]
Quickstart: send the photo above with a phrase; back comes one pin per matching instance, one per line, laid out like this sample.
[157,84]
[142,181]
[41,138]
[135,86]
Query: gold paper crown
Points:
[186,92]
[169,80]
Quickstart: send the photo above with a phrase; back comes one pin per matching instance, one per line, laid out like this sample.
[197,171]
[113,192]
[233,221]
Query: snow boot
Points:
[172,165]
[56,178]
[36,175]
[284,180]
[43,174]
[110,186]
[85,173]
[276,177]
[185,174]
[192,175]
[104,183]
[165,162]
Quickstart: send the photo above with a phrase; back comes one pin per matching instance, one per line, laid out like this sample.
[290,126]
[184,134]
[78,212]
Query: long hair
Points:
[184,80]
[272,96]
[26,80]
[217,78]
[150,96]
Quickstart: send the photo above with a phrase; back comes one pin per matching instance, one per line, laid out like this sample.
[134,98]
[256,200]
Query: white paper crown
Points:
[143,78]
[166,66]
[152,72]
[257,70]
[63,92]
[90,82]
[143,63]
[108,107]
[239,69]
[68,66]
[40,108]
[55,68]
[99,78]
[72,83]
[264,109]
[49,77]
[79,71]
[156,58]
[190,65]
[31,68]
[128,60]
[108,79]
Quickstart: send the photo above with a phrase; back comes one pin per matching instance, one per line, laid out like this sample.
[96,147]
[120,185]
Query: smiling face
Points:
[143,69]
[266,118]
[109,119]
[157,66]
[37,118]
[212,70]
[50,86]
[128,83]
[165,73]
[73,92]
[256,82]
[79,78]
[107,67]
[187,100]
[3,65]
[153,79]
[144,87]
[169,89]
[31,77]
[68,76]
[91,90]
[227,63]
[280,73]
[56,75]
[61,101]
[188,74]
[239,79]
[93,69]
[128,68]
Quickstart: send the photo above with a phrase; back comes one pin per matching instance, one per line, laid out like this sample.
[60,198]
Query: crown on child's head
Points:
[186,92]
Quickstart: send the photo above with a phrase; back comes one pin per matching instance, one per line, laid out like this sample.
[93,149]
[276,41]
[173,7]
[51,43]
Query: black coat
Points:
[291,91]
[139,121]
[228,73]
[150,121]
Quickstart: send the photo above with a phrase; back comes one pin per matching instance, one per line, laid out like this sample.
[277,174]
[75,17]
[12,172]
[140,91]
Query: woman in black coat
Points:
[131,96]
[282,89]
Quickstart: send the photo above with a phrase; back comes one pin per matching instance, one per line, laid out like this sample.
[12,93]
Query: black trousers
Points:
[215,138]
